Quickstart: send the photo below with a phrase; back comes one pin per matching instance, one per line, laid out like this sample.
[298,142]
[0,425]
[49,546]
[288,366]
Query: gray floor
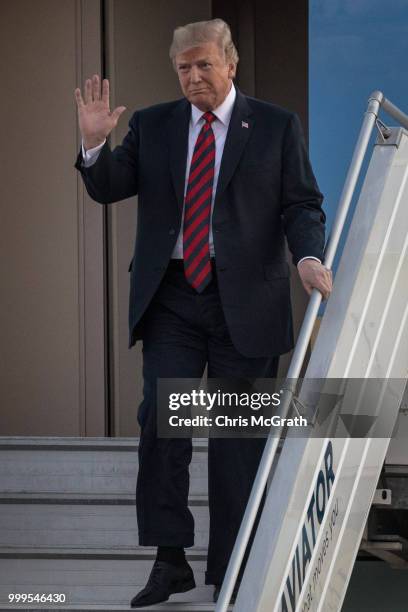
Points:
[375,587]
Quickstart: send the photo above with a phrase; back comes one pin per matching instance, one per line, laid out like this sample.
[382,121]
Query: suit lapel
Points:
[239,131]
[177,136]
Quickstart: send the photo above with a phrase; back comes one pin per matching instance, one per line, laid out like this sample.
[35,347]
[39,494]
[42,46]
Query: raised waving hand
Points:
[96,121]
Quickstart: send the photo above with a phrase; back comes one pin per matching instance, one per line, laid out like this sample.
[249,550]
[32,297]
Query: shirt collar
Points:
[222,112]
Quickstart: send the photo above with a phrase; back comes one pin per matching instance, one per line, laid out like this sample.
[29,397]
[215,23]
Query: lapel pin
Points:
[244,124]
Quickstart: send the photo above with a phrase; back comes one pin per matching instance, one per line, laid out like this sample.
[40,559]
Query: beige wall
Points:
[51,240]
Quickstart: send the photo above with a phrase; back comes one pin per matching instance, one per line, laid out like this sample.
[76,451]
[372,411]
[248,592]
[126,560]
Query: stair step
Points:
[195,553]
[91,584]
[83,498]
[85,467]
[77,443]
[79,526]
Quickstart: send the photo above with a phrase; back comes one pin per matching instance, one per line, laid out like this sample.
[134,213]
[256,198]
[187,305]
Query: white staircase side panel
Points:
[363,334]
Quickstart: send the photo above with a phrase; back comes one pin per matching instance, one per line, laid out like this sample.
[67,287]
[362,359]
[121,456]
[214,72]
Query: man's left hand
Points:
[314,275]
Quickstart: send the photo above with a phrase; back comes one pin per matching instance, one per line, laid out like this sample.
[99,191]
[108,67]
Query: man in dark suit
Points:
[221,180]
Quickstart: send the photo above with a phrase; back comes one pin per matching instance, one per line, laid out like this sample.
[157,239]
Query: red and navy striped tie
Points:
[197,208]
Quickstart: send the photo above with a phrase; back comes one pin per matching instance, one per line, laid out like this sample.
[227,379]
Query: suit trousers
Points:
[184,331]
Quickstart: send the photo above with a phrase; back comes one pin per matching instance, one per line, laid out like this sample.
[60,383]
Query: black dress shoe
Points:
[164,580]
[217,589]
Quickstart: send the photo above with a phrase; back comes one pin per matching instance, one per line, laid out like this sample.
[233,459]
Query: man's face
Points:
[204,76]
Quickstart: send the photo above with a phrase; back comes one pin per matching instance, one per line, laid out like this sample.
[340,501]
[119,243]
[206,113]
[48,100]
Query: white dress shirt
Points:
[220,128]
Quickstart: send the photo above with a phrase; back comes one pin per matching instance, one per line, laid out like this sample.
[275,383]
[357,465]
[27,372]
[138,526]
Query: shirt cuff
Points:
[91,155]
[308,257]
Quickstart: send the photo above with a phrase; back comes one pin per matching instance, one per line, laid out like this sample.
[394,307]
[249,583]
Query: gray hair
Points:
[194,34]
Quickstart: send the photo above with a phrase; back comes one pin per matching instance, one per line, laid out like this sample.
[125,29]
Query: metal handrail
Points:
[375,101]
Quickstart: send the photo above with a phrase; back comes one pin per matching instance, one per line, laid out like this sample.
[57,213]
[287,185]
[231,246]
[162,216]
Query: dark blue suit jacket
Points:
[266,190]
